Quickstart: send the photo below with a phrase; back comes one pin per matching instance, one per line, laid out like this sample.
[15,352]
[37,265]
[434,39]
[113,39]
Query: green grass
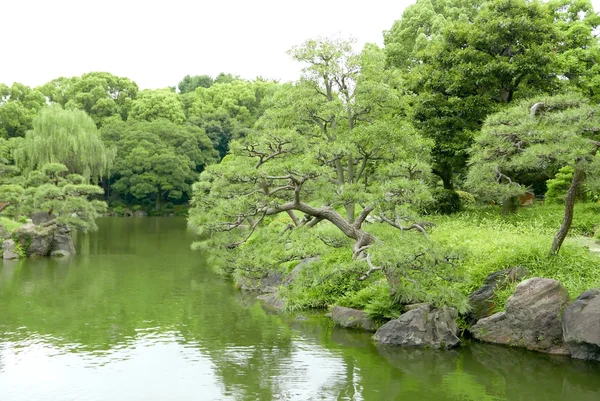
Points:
[10,225]
[484,242]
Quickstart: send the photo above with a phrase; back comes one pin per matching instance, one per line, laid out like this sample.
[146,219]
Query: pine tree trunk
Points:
[560,236]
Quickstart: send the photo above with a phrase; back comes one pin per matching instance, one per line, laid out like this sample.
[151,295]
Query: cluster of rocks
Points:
[538,316]
[39,238]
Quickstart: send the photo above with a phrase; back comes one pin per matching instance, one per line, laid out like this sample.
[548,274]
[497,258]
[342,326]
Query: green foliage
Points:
[466,199]
[103,96]
[445,201]
[559,185]
[68,137]
[157,160]
[513,145]
[190,83]
[463,60]
[73,202]
[228,109]
[10,224]
[151,105]
[487,242]
[18,106]
[375,300]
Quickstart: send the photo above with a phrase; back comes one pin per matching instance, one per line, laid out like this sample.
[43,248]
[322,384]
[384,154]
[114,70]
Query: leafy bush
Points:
[444,201]
[466,199]
[559,185]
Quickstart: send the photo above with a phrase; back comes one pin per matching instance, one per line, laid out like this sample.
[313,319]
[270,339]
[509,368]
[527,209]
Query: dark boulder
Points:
[482,300]
[581,326]
[423,326]
[352,319]
[531,320]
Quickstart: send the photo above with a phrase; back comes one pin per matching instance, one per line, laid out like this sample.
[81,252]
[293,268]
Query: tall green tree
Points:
[151,105]
[157,160]
[464,65]
[69,137]
[100,94]
[190,83]
[328,143]
[229,110]
[18,106]
[538,136]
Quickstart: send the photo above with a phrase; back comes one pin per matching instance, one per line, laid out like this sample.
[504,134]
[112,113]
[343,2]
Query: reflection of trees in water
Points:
[102,299]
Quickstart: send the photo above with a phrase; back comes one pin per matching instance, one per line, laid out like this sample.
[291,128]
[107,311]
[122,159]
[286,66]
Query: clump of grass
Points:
[10,225]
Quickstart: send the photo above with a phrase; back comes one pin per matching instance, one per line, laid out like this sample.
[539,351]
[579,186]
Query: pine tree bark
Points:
[578,177]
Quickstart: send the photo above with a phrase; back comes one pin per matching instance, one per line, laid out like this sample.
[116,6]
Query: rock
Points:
[140,213]
[127,213]
[273,300]
[266,284]
[581,326]
[42,217]
[481,301]
[62,243]
[293,275]
[415,306]
[352,318]
[421,327]
[531,320]
[4,234]
[35,240]
[8,250]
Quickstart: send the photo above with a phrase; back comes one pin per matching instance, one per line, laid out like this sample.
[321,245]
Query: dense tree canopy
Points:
[18,105]
[151,105]
[158,159]
[465,60]
[100,94]
[69,137]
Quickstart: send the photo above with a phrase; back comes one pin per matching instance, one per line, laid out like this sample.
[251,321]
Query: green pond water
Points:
[136,315]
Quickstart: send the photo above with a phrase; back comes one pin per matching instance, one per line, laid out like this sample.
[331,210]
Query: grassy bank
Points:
[480,240]
[10,225]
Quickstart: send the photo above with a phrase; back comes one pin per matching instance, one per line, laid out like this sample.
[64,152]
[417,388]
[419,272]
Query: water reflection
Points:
[137,316]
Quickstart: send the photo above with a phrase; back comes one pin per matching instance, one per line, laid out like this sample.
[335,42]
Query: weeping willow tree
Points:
[68,137]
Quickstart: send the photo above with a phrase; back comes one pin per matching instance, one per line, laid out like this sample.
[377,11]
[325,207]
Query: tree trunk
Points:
[560,236]
[350,211]
[444,171]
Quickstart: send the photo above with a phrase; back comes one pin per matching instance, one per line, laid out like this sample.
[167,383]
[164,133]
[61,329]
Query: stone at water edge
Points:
[62,242]
[481,300]
[352,318]
[8,250]
[581,326]
[35,240]
[531,320]
[424,326]
[4,234]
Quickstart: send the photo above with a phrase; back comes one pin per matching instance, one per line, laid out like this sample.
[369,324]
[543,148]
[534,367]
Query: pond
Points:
[136,315]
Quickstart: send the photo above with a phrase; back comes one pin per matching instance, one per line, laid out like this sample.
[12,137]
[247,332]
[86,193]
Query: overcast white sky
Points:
[156,43]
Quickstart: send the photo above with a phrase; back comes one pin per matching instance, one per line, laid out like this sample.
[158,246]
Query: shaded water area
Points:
[136,315]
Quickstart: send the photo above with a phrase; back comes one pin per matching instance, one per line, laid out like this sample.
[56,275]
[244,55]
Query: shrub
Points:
[444,201]
[466,199]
